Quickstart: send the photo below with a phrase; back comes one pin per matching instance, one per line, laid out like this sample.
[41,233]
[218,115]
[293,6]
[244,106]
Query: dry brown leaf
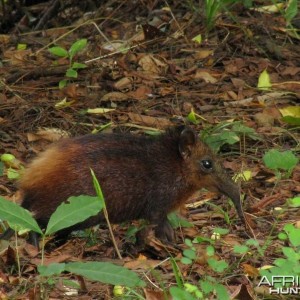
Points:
[16,57]
[141,93]
[152,64]
[205,76]
[149,121]
[250,270]
[48,134]
[145,264]
[201,54]
[155,295]
[114,96]
[124,83]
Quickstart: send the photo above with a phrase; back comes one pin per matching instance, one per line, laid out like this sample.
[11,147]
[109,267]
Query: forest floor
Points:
[148,65]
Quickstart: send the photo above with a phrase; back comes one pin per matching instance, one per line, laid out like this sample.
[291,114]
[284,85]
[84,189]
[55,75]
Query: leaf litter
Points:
[146,71]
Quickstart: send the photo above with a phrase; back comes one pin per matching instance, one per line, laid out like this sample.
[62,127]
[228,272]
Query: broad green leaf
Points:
[52,269]
[176,221]
[186,261]
[13,174]
[293,111]
[62,83]
[295,202]
[189,253]
[210,250]
[59,51]
[291,10]
[264,82]
[71,73]
[240,249]
[217,140]
[180,294]
[76,210]
[217,265]
[293,234]
[221,292]
[17,216]
[105,272]
[77,46]
[275,160]
[291,115]
[291,120]
[77,65]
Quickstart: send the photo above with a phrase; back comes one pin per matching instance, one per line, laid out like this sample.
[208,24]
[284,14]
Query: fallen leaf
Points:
[114,96]
[99,110]
[149,121]
[205,76]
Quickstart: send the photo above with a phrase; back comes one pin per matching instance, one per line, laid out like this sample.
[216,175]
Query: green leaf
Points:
[71,73]
[275,160]
[217,140]
[52,269]
[17,216]
[192,117]
[176,221]
[240,249]
[186,261]
[217,265]
[76,210]
[21,46]
[62,83]
[221,231]
[293,234]
[105,272]
[98,189]
[77,65]
[295,202]
[13,174]
[197,39]
[252,242]
[59,51]
[264,82]
[210,250]
[77,46]
[291,120]
[180,294]
[189,253]
[221,292]
[282,236]
[291,11]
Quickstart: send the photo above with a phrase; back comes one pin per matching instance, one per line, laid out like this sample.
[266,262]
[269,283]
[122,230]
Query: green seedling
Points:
[69,54]
[10,166]
[289,264]
[75,210]
[227,133]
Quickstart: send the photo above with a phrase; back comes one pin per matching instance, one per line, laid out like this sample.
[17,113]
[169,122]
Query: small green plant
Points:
[289,264]
[282,163]
[13,167]
[227,133]
[73,66]
[207,286]
[75,210]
